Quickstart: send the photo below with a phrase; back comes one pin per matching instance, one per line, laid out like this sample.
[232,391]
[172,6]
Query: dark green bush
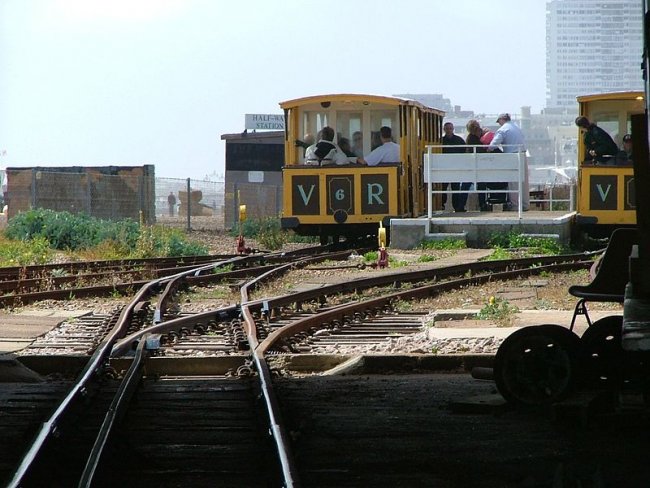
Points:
[66,231]
[76,232]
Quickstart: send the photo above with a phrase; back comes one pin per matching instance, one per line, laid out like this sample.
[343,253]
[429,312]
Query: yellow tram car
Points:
[352,200]
[605,196]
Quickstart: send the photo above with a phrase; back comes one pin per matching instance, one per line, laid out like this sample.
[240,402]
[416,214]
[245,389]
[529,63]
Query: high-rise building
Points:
[592,46]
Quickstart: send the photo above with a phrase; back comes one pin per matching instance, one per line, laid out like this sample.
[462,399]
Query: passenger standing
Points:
[325,151]
[388,152]
[599,145]
[171,201]
[474,138]
[511,139]
[449,140]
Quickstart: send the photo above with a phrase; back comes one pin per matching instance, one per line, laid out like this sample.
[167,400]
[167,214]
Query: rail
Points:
[473,167]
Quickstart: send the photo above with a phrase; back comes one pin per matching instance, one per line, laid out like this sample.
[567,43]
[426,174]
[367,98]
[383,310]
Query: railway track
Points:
[137,351]
[24,285]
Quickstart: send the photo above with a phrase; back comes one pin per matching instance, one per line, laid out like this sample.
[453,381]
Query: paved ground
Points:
[19,330]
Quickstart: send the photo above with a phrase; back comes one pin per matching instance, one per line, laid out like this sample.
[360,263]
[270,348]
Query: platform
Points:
[476,228]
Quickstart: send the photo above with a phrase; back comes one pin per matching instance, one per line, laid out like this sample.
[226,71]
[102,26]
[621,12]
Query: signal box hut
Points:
[253,174]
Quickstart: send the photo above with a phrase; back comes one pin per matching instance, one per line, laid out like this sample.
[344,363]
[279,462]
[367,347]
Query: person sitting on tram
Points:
[387,152]
[600,148]
[325,151]
[344,144]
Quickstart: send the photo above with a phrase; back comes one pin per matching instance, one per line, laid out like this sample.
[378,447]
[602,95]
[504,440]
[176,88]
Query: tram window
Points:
[380,118]
[347,123]
[313,122]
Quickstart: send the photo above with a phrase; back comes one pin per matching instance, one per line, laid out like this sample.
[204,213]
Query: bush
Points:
[161,241]
[66,231]
[100,238]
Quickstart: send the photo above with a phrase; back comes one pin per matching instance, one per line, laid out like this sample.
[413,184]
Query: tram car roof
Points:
[356,97]
[621,95]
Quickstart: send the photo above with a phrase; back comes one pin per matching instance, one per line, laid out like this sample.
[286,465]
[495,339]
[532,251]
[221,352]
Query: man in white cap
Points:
[511,140]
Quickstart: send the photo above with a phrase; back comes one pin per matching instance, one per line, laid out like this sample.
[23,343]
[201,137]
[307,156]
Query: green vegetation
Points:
[269,234]
[32,238]
[403,306]
[498,310]
[16,253]
[66,231]
[372,256]
[513,244]
[498,254]
[536,245]
[444,244]
[426,258]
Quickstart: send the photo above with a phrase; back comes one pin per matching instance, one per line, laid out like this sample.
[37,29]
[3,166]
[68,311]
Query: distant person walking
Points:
[171,200]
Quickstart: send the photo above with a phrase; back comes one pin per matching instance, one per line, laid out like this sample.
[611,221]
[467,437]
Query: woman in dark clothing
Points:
[475,132]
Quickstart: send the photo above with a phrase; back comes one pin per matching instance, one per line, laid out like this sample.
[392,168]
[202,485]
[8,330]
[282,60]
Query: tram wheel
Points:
[603,353]
[324,239]
[537,365]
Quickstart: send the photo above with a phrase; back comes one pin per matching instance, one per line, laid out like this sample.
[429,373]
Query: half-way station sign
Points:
[264,122]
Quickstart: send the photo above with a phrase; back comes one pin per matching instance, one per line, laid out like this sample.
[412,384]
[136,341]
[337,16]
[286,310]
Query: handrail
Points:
[477,173]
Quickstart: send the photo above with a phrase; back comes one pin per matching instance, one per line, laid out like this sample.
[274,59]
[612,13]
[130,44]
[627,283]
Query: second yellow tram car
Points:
[351,200]
[605,197]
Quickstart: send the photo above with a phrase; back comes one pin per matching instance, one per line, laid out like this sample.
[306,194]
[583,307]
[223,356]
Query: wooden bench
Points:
[473,167]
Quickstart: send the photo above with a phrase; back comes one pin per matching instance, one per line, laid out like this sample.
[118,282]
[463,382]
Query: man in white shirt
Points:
[325,151]
[511,140]
[388,152]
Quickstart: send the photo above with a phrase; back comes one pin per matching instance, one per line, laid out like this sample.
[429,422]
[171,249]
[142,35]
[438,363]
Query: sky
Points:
[132,82]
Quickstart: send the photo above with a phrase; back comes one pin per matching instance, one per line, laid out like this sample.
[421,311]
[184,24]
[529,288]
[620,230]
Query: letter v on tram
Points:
[350,199]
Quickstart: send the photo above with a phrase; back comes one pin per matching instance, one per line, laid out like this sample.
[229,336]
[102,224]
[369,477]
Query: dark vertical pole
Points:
[642,170]
[189,227]
[641,277]
[33,195]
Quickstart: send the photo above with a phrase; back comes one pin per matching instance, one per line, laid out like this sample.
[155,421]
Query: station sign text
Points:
[264,122]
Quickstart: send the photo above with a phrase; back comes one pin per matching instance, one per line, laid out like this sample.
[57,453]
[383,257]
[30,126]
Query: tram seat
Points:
[608,284]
